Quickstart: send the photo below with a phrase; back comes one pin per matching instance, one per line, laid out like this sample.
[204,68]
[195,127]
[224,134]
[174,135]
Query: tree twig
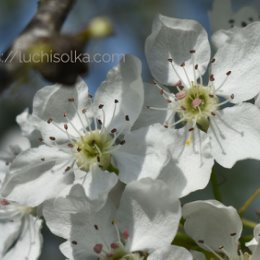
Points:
[44,27]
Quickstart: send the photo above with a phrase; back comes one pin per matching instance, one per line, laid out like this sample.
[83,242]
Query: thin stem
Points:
[248,202]
[215,185]
[248,223]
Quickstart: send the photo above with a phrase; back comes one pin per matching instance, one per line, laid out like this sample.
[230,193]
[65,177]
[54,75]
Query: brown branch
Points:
[44,28]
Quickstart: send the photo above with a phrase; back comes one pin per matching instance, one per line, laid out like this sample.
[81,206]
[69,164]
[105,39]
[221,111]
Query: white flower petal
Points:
[149,213]
[57,212]
[240,56]
[37,175]
[87,230]
[124,84]
[221,37]
[10,228]
[170,253]
[26,122]
[175,38]
[144,153]
[29,244]
[148,116]
[98,184]
[240,127]
[198,255]
[191,163]
[254,244]
[52,102]
[212,224]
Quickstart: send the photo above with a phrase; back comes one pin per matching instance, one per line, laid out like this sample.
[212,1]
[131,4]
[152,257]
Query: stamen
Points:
[180,95]
[70,122]
[163,92]
[125,234]
[4,202]
[224,81]
[217,139]
[115,107]
[186,74]
[196,102]
[157,108]
[228,125]
[176,72]
[89,127]
[193,65]
[72,101]
[98,248]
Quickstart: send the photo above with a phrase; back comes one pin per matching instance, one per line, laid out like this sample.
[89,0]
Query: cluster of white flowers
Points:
[107,172]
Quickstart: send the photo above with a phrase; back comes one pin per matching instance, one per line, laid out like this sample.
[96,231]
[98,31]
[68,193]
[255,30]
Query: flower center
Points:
[117,250]
[94,147]
[196,104]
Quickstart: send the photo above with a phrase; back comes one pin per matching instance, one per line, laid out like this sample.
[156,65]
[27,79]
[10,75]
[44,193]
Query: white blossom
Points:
[20,236]
[209,119]
[142,227]
[225,22]
[87,140]
[217,229]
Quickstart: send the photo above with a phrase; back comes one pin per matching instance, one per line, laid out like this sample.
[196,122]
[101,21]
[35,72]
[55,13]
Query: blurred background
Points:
[132,20]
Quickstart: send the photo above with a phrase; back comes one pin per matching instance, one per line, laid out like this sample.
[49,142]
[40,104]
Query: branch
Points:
[43,28]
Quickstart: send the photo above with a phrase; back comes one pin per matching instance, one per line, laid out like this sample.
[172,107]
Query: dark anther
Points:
[170,60]
[211,77]
[243,24]
[96,227]
[52,138]
[71,99]
[228,73]
[116,101]
[122,142]
[127,118]
[192,51]
[49,120]
[67,169]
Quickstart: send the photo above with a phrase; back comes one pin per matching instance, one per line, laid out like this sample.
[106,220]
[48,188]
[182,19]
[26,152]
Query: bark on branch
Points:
[43,30]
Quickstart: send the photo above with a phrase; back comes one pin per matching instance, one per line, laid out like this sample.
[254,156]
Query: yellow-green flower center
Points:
[197,104]
[94,148]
